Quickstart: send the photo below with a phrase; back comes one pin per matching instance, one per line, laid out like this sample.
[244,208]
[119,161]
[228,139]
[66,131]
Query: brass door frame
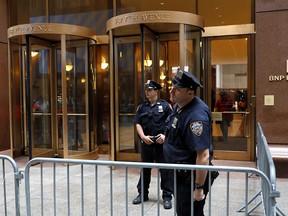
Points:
[53,33]
[159,23]
[116,114]
[234,32]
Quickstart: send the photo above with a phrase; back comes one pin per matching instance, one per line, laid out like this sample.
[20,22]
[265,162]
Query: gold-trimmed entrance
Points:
[51,74]
[146,45]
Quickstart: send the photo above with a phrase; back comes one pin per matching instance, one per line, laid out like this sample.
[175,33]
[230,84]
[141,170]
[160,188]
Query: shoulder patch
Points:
[196,128]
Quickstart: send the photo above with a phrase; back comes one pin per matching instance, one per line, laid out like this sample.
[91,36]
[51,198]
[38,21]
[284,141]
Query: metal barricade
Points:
[266,165]
[11,177]
[56,186]
[87,187]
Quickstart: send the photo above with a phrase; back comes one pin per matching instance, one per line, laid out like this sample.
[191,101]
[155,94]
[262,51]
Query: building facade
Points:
[76,93]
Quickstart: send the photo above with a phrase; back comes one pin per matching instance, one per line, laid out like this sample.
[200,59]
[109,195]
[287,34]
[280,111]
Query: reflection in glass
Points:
[42,132]
[76,132]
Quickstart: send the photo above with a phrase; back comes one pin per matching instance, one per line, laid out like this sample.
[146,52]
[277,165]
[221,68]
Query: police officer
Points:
[188,141]
[150,124]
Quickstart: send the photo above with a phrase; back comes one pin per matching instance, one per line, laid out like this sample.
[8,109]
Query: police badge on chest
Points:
[174,124]
[160,108]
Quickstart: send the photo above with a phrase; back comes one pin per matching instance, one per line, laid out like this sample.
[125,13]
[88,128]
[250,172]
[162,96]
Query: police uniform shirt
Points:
[189,130]
[152,118]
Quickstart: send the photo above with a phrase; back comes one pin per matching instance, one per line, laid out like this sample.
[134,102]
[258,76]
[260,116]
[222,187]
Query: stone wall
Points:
[4,96]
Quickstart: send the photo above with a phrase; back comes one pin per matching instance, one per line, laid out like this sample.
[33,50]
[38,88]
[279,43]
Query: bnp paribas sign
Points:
[279,78]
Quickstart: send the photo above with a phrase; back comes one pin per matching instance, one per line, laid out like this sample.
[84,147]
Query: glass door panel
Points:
[101,94]
[168,64]
[76,98]
[40,98]
[18,135]
[191,51]
[156,58]
[229,76]
[128,76]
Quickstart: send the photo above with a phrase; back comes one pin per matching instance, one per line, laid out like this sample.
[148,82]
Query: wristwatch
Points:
[198,186]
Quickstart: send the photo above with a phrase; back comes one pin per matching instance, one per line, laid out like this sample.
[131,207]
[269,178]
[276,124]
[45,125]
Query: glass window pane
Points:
[89,13]
[127,6]
[226,12]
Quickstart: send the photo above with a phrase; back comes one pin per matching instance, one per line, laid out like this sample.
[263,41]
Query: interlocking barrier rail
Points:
[266,165]
[87,187]
[11,177]
[55,186]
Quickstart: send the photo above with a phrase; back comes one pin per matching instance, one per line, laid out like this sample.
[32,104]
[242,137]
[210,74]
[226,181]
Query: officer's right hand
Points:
[147,140]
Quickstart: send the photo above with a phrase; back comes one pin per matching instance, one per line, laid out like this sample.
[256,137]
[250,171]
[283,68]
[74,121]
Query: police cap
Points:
[153,84]
[184,79]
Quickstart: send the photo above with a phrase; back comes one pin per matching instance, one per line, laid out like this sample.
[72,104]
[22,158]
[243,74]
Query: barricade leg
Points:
[249,202]
[279,212]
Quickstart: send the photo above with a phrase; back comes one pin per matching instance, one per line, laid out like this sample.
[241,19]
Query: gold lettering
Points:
[167,16]
[119,20]
[30,28]
[156,16]
[43,28]
[144,17]
[131,18]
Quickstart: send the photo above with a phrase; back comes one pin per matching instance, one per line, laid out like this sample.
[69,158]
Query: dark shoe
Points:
[138,200]
[167,204]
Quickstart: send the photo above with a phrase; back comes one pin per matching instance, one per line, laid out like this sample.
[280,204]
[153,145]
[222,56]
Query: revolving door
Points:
[52,85]
[147,45]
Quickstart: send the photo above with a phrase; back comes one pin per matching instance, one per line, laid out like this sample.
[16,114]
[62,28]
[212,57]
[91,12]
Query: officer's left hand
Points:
[160,139]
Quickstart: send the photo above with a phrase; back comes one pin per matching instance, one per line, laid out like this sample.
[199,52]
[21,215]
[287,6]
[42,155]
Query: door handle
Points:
[253,101]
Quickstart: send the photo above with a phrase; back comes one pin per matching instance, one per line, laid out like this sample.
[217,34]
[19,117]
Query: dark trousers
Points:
[183,191]
[154,153]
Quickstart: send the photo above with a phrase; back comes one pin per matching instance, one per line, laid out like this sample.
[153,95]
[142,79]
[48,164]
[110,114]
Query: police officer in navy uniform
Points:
[188,141]
[150,124]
